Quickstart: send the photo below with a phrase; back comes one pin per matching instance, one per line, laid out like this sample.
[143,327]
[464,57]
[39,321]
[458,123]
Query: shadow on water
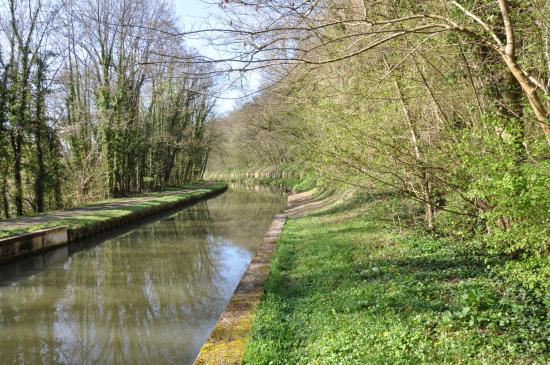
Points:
[147,294]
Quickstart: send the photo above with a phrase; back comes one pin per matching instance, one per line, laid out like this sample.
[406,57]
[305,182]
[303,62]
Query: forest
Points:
[426,122]
[443,106]
[92,105]
[446,103]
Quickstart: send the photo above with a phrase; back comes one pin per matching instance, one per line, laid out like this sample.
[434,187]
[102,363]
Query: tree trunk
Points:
[41,172]
[16,142]
[527,84]
[424,175]
[530,89]
[5,201]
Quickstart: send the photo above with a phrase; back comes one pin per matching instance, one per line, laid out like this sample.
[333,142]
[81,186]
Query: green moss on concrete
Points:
[227,342]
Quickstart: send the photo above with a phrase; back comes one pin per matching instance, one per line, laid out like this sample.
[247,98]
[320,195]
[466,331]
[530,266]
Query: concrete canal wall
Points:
[27,244]
[228,339]
[103,226]
[247,175]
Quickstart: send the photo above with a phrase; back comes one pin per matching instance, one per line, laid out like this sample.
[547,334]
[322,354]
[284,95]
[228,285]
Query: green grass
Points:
[308,183]
[100,215]
[346,288]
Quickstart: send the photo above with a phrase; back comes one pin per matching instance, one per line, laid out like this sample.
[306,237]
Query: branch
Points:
[510,48]
[480,22]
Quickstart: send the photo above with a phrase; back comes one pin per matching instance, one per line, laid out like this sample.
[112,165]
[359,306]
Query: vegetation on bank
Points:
[447,105]
[446,102]
[112,211]
[291,177]
[354,284]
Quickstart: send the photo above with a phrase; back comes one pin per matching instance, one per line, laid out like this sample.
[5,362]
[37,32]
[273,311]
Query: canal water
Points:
[150,295]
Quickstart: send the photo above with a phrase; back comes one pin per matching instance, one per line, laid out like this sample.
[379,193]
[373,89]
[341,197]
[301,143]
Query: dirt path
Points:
[303,203]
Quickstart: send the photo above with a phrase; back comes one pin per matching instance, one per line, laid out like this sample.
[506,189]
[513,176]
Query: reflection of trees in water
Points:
[252,212]
[22,317]
[145,281]
[149,296]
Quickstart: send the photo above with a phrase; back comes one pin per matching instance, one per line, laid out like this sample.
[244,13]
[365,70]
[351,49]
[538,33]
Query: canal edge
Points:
[21,246]
[228,339]
[94,229]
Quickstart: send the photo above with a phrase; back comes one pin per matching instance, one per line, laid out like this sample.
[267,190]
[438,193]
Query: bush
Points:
[506,185]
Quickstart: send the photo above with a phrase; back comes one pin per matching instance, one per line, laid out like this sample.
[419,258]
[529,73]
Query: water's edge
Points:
[227,341]
[23,246]
[146,292]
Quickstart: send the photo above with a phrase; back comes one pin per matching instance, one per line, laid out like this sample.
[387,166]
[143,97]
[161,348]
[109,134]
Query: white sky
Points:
[195,14]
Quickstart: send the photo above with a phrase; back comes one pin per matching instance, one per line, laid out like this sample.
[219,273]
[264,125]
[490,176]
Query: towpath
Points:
[116,204]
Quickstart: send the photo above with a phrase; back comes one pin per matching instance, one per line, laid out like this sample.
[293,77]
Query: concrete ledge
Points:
[23,245]
[227,342]
[100,227]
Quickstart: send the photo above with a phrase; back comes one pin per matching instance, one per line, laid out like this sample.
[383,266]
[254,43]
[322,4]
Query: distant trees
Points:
[91,104]
[178,117]
[259,134]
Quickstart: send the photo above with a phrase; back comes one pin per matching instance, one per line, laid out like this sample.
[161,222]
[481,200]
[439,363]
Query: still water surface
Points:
[150,295]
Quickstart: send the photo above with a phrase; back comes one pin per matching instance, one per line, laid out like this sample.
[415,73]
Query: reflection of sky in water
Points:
[149,296]
[234,261]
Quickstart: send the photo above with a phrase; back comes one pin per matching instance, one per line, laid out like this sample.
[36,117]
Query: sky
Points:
[195,14]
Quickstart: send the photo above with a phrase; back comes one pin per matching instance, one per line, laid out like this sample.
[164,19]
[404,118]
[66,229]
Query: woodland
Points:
[92,106]
[442,105]
[445,102]
[440,110]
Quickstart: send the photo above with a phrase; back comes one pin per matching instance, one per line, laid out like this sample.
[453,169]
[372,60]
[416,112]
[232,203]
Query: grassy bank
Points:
[348,287]
[109,209]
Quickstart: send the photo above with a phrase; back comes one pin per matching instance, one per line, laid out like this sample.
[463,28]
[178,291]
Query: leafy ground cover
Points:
[108,209]
[346,287]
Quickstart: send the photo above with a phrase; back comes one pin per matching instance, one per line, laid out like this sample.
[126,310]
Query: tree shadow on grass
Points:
[321,275]
[356,201]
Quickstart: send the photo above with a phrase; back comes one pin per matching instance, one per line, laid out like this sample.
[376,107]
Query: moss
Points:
[227,342]
[228,339]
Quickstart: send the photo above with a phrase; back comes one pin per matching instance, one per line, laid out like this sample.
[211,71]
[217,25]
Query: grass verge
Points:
[346,288]
[97,214]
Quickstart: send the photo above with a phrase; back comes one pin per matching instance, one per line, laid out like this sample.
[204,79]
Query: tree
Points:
[439,100]
[78,82]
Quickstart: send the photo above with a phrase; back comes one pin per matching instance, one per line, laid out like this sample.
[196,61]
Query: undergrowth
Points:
[351,285]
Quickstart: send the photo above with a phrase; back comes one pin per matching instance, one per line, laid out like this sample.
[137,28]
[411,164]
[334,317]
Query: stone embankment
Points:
[248,175]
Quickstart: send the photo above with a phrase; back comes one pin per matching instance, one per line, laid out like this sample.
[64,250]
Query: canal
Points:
[147,295]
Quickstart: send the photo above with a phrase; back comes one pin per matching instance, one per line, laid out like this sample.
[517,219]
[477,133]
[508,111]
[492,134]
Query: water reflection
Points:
[148,296]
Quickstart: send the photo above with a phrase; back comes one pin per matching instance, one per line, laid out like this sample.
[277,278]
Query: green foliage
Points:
[106,121]
[507,190]
[309,183]
[346,288]
[443,118]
